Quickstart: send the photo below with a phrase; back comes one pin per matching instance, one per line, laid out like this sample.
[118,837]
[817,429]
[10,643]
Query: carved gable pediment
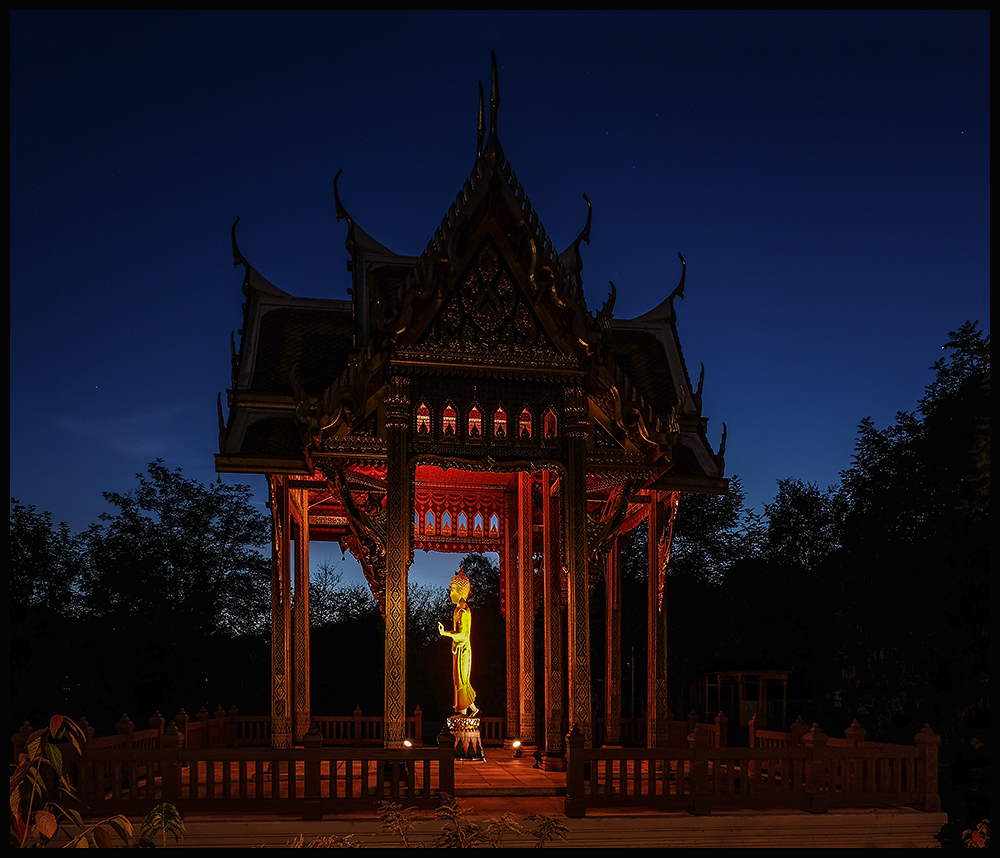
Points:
[487,286]
[487,309]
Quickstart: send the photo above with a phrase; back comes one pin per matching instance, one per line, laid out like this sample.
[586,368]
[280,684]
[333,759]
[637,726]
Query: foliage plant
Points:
[163,819]
[547,830]
[395,819]
[978,837]
[39,788]
[331,841]
[457,831]
[496,828]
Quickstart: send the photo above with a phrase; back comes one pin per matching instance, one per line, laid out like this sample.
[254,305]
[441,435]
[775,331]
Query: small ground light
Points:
[517,749]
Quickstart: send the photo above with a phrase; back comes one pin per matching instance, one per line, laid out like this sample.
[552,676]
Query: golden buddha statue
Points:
[461,645]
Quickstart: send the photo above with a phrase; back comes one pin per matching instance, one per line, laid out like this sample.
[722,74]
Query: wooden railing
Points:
[357,730]
[310,780]
[492,731]
[633,731]
[813,776]
[229,729]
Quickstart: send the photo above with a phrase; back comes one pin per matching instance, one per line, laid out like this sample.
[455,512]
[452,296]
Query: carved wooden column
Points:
[512,619]
[613,648]
[526,610]
[555,755]
[397,558]
[281,614]
[575,506]
[662,510]
[301,690]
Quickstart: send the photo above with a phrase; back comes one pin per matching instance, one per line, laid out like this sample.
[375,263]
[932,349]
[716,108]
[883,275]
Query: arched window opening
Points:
[494,526]
[500,422]
[475,423]
[430,522]
[423,419]
[550,424]
[463,524]
[524,424]
[446,523]
[449,420]
[477,525]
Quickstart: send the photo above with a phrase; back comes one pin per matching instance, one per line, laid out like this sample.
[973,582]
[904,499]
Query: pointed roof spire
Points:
[494,95]
[493,147]
[481,128]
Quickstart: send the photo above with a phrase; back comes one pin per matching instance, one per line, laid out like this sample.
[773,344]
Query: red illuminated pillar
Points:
[613,648]
[301,691]
[526,612]
[281,614]
[512,619]
[555,756]
[399,519]
[575,501]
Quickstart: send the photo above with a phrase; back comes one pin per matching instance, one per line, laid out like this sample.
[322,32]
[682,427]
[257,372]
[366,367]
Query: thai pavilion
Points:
[466,400]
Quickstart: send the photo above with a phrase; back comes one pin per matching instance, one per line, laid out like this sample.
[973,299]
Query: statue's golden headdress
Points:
[461,583]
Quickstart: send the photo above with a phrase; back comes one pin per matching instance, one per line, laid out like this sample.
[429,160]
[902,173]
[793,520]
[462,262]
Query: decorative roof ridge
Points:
[664,317]
[491,161]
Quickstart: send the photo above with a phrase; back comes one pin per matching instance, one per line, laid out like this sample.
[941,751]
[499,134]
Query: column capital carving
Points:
[397,402]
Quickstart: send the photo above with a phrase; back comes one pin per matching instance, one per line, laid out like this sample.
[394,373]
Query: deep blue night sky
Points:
[826,176]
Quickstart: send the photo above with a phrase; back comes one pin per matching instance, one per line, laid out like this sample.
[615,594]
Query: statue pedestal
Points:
[468,744]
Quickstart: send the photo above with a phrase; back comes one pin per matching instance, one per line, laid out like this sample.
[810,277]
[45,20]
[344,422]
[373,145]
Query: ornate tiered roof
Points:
[490,328]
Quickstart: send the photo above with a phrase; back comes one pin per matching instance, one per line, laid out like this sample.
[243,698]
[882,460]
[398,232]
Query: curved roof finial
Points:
[238,258]
[604,316]
[585,234]
[341,211]
[679,290]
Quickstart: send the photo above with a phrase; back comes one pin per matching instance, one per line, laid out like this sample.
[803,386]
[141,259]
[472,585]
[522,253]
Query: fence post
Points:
[700,741]
[88,731]
[817,776]
[798,730]
[312,741]
[357,725]
[752,737]
[218,727]
[181,721]
[170,767]
[575,805]
[928,741]
[855,734]
[124,728]
[418,727]
[692,721]
[722,722]
[157,722]
[446,761]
